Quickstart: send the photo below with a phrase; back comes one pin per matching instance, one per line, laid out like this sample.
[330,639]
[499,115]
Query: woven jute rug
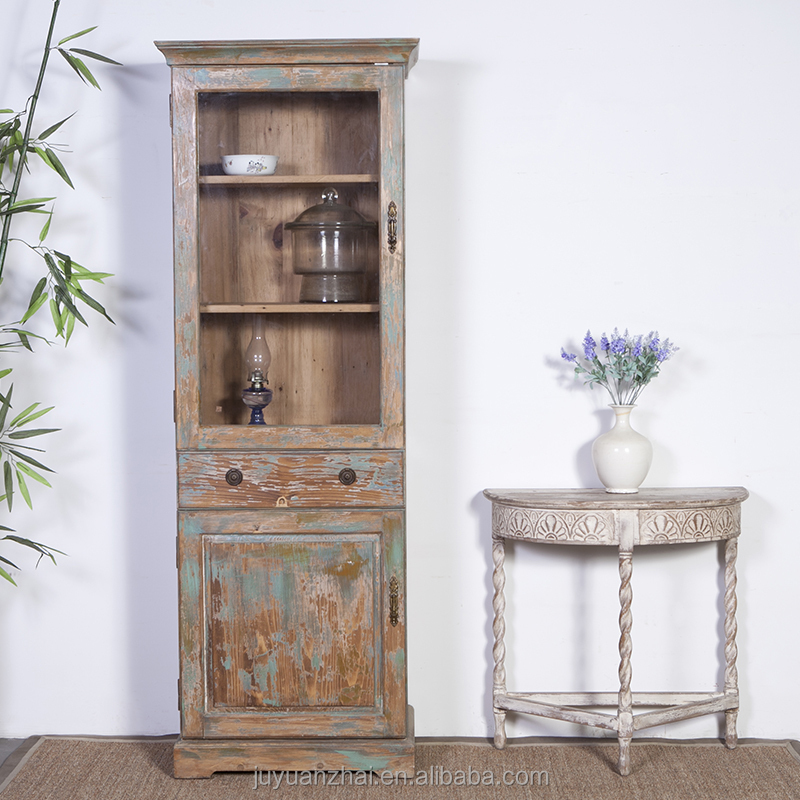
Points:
[56,768]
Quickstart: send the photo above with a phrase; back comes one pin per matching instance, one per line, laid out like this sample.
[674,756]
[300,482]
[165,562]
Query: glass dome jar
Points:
[330,243]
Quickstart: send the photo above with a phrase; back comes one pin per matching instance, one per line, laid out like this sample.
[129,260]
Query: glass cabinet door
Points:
[336,365]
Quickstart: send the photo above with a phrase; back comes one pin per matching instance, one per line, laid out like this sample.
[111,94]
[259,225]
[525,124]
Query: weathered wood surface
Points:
[594,517]
[292,622]
[290,308]
[347,376]
[670,516]
[200,758]
[294,480]
[285,624]
[289,180]
[325,372]
[599,499]
[309,51]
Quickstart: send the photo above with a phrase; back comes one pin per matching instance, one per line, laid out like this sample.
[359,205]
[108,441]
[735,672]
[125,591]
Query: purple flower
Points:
[588,347]
[623,364]
[666,350]
[617,342]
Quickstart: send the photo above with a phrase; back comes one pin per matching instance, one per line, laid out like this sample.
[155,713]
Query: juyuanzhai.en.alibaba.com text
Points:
[433,776]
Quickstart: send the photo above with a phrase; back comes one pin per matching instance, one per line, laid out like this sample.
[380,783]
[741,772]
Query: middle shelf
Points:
[289,308]
[285,180]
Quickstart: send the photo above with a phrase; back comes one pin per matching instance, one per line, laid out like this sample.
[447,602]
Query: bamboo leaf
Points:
[20,207]
[58,166]
[4,574]
[53,128]
[6,404]
[10,563]
[36,301]
[92,303]
[70,59]
[33,474]
[23,457]
[4,372]
[41,549]
[22,415]
[96,56]
[9,484]
[25,333]
[23,340]
[32,200]
[70,329]
[55,272]
[45,228]
[31,417]
[83,71]
[29,434]
[23,489]
[85,275]
[41,153]
[69,305]
[56,314]
[76,35]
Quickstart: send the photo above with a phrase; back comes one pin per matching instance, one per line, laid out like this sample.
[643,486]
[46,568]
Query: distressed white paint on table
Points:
[596,517]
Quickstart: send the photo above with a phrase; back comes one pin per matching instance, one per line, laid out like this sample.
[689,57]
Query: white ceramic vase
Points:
[622,457]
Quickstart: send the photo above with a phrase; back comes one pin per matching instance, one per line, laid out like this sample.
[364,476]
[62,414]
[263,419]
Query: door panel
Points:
[301,626]
[291,620]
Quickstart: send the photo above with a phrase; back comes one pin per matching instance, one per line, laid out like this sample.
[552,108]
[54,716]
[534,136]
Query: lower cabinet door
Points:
[292,624]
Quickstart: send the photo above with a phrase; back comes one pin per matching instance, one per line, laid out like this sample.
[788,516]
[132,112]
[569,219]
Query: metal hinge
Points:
[179,694]
[170,111]
[174,407]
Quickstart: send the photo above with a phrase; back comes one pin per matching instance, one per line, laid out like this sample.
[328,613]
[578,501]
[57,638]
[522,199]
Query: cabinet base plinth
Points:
[200,758]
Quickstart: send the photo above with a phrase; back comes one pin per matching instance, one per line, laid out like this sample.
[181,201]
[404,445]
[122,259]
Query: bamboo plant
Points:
[61,286]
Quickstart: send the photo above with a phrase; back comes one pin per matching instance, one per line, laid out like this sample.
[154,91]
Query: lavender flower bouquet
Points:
[626,364]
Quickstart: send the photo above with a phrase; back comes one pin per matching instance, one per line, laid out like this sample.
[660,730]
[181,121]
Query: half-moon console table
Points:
[596,517]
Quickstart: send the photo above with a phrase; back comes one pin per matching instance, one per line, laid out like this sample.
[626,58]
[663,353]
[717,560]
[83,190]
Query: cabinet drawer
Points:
[332,479]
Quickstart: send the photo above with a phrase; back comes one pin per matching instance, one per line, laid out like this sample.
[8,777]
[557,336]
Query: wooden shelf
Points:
[284,180]
[289,308]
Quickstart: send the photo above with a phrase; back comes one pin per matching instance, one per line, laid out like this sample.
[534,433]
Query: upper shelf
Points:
[285,180]
[289,308]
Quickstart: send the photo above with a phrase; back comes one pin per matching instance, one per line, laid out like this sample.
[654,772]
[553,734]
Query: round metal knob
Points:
[234,477]
[347,476]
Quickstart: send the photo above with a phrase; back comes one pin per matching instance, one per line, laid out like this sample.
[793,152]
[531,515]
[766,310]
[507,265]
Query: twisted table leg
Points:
[625,712]
[731,651]
[499,649]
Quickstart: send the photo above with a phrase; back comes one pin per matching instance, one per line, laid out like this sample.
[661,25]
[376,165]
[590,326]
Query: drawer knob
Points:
[234,477]
[347,476]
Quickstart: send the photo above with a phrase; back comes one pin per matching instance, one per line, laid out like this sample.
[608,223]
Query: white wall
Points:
[570,165]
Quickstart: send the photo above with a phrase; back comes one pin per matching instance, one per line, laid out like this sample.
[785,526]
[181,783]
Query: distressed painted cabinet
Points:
[291,539]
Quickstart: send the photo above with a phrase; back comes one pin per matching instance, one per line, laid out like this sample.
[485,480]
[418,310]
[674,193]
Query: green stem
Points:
[26,139]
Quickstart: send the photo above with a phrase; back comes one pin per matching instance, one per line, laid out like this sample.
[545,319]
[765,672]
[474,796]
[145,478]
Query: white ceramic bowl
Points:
[249,164]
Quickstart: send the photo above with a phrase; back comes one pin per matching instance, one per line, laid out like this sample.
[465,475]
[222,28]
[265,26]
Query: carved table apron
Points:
[596,517]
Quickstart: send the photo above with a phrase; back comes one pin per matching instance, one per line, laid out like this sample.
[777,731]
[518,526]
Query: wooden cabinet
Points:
[291,544]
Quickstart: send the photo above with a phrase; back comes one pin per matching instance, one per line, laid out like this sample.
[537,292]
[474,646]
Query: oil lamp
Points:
[258,358]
